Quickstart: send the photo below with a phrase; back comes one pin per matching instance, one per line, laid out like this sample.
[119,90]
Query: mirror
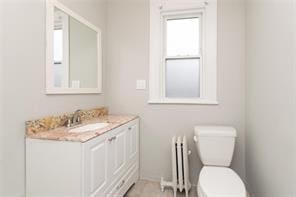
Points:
[74,63]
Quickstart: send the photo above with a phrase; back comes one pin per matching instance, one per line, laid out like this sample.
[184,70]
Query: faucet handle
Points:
[68,122]
[78,110]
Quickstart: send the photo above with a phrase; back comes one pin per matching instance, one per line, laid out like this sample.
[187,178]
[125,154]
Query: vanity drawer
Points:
[122,186]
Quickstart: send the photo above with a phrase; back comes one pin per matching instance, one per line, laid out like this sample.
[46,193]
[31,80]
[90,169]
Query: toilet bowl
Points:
[215,146]
[220,182]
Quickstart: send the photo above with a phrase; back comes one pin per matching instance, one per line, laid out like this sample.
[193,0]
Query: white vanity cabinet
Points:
[95,166]
[104,166]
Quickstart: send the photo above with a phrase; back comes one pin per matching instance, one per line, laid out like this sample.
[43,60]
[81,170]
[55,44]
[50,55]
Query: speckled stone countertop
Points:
[63,134]
[51,128]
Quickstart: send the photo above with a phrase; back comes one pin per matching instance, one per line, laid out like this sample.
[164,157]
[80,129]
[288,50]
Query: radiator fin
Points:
[180,168]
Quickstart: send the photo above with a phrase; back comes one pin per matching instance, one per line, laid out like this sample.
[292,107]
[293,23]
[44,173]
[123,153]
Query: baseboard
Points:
[158,180]
[153,179]
[14,195]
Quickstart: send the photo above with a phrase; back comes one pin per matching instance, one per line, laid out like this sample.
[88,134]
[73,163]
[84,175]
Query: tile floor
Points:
[145,188]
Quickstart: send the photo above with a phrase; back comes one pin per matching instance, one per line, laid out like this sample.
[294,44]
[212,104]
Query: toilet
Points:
[215,146]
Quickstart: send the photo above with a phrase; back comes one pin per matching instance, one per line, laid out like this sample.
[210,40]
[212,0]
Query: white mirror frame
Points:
[50,89]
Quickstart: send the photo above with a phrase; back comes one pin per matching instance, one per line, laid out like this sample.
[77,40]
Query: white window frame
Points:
[164,57]
[162,10]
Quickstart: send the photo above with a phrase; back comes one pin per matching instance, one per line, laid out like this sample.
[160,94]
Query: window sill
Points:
[184,101]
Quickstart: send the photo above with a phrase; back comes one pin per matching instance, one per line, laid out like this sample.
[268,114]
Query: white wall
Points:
[127,60]
[270,125]
[1,94]
[83,54]
[24,80]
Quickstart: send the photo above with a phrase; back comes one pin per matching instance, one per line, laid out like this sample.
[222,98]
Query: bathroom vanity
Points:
[88,153]
[96,163]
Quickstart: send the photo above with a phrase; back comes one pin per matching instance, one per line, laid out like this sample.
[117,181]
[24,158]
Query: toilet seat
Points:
[220,182]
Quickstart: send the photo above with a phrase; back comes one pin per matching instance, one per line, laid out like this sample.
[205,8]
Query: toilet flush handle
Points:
[195,138]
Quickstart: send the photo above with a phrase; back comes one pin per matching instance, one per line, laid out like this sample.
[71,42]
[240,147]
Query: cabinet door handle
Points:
[112,138]
[130,128]
[121,184]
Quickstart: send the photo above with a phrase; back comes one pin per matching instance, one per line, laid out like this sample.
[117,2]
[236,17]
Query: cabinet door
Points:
[132,141]
[96,166]
[117,154]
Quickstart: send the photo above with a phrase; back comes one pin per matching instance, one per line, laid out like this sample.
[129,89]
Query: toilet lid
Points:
[221,182]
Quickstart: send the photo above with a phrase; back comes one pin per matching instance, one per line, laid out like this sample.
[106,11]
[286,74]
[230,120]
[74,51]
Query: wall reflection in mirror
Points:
[75,53]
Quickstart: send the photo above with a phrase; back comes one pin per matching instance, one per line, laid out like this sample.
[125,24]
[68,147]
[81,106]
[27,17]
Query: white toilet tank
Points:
[215,144]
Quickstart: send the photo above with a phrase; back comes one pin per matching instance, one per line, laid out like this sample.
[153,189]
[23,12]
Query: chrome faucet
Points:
[75,119]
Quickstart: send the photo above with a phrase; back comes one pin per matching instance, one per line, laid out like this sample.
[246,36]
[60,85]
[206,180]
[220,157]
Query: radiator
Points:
[180,170]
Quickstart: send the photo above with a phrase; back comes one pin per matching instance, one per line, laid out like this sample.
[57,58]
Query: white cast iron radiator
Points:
[180,170]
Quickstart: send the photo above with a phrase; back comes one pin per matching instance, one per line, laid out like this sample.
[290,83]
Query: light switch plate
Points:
[141,85]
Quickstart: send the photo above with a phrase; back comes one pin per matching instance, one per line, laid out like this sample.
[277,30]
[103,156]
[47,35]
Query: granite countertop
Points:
[63,134]
[52,127]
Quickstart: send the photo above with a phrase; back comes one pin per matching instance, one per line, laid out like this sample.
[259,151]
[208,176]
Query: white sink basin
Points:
[89,127]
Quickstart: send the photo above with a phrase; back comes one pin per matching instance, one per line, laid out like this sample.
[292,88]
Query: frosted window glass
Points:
[183,37]
[182,78]
[58,46]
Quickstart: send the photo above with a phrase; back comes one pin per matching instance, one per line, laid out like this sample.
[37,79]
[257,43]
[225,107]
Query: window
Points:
[182,56]
[58,46]
[183,52]
[61,48]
